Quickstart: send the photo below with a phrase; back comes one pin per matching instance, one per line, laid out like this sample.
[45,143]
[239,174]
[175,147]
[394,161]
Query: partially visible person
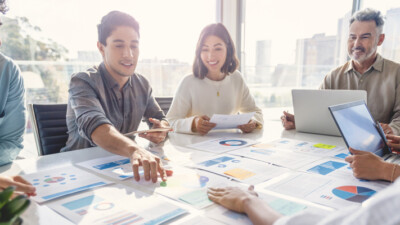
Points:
[367,165]
[12,118]
[12,109]
[367,70]
[382,208]
[110,100]
[21,185]
[215,87]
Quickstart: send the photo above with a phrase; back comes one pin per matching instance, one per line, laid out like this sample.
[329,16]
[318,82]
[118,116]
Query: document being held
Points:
[230,121]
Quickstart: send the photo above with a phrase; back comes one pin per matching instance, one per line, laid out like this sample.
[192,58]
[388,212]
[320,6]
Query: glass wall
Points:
[391,9]
[292,45]
[52,39]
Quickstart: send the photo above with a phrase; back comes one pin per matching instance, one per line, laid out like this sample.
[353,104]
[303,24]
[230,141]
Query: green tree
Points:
[19,44]
[17,35]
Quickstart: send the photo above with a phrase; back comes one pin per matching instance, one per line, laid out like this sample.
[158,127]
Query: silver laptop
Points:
[311,108]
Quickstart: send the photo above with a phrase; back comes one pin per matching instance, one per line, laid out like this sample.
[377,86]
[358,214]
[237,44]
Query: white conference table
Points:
[40,214]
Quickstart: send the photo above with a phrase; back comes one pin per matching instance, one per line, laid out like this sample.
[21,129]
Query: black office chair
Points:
[49,126]
[164,103]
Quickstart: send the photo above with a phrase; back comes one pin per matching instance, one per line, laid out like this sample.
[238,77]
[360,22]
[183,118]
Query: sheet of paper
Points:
[222,145]
[186,185]
[329,167]
[116,166]
[201,220]
[281,157]
[59,182]
[116,204]
[230,121]
[310,148]
[241,169]
[282,206]
[329,191]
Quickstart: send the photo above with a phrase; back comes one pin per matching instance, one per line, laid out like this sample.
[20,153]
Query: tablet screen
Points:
[358,127]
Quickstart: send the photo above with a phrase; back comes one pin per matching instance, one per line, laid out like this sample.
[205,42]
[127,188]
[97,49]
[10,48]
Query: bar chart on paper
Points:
[108,205]
[117,167]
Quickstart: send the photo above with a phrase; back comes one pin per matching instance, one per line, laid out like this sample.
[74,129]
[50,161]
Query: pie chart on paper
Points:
[353,193]
[233,142]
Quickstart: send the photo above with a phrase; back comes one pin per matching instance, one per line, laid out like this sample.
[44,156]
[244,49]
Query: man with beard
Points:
[367,70]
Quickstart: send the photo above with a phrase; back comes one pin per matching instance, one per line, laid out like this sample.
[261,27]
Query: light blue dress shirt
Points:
[12,110]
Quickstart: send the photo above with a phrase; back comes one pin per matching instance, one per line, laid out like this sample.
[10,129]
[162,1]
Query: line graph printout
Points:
[116,204]
[59,182]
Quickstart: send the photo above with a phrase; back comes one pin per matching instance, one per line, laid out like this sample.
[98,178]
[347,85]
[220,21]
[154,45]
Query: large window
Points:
[52,39]
[292,45]
[391,9]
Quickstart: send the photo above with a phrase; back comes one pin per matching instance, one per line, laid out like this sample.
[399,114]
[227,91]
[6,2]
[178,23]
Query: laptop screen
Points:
[358,128]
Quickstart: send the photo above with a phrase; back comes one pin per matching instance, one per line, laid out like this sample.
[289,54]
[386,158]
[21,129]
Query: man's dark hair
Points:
[113,20]
[3,6]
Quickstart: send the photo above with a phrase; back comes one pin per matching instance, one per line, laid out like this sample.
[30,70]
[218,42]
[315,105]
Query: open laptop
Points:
[359,130]
[311,108]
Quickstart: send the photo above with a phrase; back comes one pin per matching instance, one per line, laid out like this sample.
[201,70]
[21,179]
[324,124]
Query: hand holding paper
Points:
[231,121]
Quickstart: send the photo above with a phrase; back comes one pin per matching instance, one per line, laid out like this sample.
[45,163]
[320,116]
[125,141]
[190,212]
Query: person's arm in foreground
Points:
[12,118]
[247,202]
[367,165]
[382,208]
[21,185]
[107,137]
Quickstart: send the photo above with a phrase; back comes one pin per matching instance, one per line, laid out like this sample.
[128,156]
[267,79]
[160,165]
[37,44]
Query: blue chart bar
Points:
[166,217]
[59,194]
[215,161]
[82,202]
[111,164]
[327,167]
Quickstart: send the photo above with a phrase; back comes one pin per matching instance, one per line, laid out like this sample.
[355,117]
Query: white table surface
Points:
[40,214]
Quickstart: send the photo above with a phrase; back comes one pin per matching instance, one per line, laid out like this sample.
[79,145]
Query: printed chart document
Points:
[116,166]
[306,147]
[329,191]
[190,186]
[59,182]
[280,157]
[222,145]
[282,206]
[241,169]
[117,204]
[330,167]
[230,121]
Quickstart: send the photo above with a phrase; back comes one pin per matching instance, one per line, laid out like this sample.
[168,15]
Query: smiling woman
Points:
[215,87]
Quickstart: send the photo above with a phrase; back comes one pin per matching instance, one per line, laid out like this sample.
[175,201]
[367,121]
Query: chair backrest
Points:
[164,103]
[49,126]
